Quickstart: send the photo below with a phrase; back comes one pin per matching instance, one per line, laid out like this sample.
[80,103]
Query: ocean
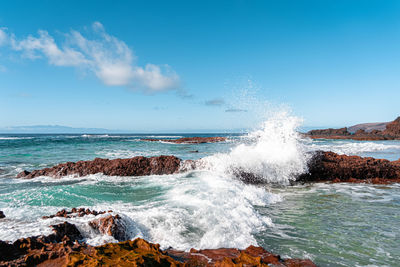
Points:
[332,224]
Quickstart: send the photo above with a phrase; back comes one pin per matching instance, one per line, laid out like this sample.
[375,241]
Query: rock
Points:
[34,250]
[57,250]
[142,253]
[189,140]
[366,131]
[329,166]
[110,225]
[252,256]
[2,215]
[136,166]
[75,212]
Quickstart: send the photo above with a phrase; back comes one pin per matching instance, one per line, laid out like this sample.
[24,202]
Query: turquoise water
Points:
[334,225]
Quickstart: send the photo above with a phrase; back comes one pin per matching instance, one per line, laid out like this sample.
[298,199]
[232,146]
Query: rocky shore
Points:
[391,132]
[136,166]
[189,140]
[66,247]
[323,167]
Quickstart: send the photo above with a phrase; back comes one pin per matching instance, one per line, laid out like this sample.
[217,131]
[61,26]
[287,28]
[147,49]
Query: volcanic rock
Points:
[383,131]
[110,225]
[75,212]
[2,215]
[136,166]
[189,140]
[35,250]
[142,253]
[329,166]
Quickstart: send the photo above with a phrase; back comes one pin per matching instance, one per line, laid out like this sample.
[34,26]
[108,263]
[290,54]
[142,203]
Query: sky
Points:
[182,66]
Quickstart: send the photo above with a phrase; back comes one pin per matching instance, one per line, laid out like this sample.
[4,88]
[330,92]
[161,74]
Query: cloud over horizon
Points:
[107,57]
[215,102]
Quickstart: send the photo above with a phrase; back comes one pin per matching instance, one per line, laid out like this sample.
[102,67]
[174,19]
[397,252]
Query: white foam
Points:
[14,138]
[274,153]
[352,148]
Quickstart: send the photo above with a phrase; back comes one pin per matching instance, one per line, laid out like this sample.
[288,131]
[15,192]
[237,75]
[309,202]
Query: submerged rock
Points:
[329,166]
[136,166]
[190,140]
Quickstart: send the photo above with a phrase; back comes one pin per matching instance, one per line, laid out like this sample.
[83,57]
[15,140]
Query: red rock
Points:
[35,250]
[189,140]
[75,212]
[110,225]
[136,166]
[391,132]
[329,166]
[252,256]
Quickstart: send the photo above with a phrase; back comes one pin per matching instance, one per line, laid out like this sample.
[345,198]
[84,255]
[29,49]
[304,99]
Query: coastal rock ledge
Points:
[136,166]
[323,167]
[65,248]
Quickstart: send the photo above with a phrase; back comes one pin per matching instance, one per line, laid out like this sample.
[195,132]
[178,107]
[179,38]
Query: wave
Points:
[15,138]
[196,209]
[352,148]
[275,153]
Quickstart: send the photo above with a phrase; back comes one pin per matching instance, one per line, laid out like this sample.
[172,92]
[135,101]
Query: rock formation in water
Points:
[189,140]
[65,248]
[329,166]
[390,132]
[2,215]
[111,225]
[75,212]
[136,166]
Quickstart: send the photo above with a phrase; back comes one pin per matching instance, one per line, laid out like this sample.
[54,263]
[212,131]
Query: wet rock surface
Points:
[331,167]
[189,140]
[34,250]
[75,212]
[111,225]
[391,132]
[2,215]
[62,248]
[136,166]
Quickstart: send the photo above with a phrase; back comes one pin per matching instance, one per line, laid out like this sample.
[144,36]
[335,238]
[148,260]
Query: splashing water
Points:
[273,154]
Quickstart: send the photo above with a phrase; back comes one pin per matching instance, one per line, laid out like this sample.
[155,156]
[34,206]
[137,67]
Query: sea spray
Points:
[273,154]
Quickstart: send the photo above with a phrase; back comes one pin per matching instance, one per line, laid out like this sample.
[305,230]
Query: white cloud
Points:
[109,58]
[3,36]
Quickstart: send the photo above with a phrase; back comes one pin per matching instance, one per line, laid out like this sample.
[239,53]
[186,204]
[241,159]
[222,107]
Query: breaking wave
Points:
[274,154]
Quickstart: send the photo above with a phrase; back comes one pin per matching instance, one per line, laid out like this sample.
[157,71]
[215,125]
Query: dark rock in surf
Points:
[136,166]
[2,215]
[75,212]
[329,166]
[111,225]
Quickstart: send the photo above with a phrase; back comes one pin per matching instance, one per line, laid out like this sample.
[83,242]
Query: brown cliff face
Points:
[329,166]
[392,132]
[190,140]
[137,166]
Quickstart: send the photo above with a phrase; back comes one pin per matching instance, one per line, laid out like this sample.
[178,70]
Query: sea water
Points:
[332,224]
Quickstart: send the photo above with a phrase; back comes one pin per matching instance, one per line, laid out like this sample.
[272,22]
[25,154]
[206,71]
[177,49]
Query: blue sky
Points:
[197,65]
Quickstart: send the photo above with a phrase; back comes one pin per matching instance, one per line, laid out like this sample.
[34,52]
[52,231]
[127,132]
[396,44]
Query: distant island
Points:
[364,131]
